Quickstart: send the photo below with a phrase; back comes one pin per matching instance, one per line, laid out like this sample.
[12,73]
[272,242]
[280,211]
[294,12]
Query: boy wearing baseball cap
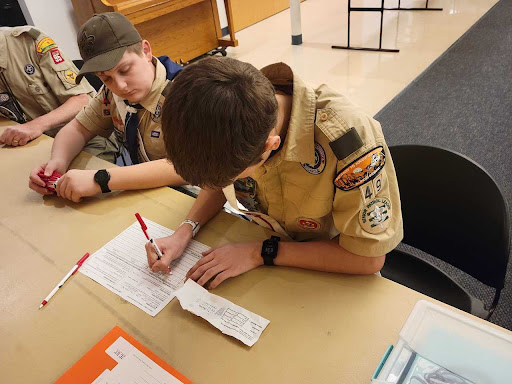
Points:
[129,104]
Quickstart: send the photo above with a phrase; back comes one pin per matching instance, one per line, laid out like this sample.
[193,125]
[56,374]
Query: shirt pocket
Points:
[41,95]
[301,204]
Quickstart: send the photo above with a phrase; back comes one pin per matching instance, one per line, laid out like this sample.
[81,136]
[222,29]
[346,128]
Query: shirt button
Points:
[323,116]
[38,89]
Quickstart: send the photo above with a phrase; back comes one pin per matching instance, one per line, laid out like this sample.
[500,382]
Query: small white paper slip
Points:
[230,318]
[121,266]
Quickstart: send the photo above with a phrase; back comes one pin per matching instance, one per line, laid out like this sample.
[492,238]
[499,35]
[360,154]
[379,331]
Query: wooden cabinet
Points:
[246,13]
[180,29]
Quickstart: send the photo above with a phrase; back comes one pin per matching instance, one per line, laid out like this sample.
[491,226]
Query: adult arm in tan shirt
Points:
[21,134]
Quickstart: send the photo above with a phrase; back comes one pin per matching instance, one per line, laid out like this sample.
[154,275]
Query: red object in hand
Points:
[50,181]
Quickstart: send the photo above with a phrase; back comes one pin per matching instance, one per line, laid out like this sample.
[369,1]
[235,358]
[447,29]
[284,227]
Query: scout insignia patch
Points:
[319,165]
[155,134]
[86,43]
[45,45]
[361,170]
[309,224]
[156,116]
[376,215]
[29,69]
[70,76]
[56,56]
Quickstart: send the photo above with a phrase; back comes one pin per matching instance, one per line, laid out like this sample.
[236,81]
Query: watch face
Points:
[268,249]
[102,177]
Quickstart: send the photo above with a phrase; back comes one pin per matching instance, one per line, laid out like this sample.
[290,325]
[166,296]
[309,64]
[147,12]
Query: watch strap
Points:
[194,224]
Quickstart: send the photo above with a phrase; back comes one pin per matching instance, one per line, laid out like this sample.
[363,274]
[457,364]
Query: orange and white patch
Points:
[45,45]
[376,215]
[361,170]
[309,224]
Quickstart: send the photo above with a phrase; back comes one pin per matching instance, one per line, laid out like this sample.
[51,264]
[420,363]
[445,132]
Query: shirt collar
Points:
[151,100]
[299,144]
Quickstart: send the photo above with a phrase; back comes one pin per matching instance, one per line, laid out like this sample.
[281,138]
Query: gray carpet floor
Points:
[463,102]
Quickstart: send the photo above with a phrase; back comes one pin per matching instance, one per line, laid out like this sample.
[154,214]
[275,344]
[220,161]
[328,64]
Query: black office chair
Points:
[453,210]
[92,79]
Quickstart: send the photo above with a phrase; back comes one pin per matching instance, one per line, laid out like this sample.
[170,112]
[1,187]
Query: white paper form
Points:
[121,266]
[229,318]
[137,368]
[133,367]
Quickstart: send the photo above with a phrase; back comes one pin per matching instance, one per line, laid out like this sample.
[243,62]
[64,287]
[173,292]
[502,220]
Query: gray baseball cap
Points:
[102,41]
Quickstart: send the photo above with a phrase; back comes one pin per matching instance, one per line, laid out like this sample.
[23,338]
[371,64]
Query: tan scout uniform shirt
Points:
[39,75]
[107,112]
[307,192]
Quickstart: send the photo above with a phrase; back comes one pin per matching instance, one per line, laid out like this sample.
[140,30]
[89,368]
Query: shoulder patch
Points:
[365,168]
[376,215]
[346,144]
[56,56]
[44,45]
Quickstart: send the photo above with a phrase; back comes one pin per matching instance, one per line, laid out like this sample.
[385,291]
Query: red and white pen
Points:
[153,243]
[59,286]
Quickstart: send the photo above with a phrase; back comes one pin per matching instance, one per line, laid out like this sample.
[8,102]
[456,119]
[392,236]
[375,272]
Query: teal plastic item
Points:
[382,362]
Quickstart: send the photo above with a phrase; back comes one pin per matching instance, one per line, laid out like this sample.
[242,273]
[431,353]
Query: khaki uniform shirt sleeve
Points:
[60,73]
[92,118]
[368,215]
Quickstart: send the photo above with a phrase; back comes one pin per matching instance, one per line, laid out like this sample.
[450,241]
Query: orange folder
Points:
[96,360]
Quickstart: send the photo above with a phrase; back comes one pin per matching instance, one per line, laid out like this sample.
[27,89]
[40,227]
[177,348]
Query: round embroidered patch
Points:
[319,165]
[309,224]
[376,215]
[29,69]
[70,76]
[4,97]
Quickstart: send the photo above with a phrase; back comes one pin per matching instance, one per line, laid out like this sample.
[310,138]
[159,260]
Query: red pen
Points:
[59,286]
[153,243]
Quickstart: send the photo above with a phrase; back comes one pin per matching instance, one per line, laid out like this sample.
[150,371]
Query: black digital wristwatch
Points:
[269,250]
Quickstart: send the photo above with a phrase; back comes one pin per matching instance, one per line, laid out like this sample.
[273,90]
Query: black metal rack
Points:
[380,9]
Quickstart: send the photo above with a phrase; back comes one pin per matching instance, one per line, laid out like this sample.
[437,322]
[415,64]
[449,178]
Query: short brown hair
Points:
[135,48]
[216,120]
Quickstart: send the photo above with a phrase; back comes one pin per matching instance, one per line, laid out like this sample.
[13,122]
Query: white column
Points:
[296,25]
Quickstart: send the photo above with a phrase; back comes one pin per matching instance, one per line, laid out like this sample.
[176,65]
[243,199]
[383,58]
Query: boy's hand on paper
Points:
[172,247]
[226,261]
[77,183]
[36,183]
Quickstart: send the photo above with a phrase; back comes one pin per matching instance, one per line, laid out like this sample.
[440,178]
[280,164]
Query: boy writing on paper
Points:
[129,104]
[301,161]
